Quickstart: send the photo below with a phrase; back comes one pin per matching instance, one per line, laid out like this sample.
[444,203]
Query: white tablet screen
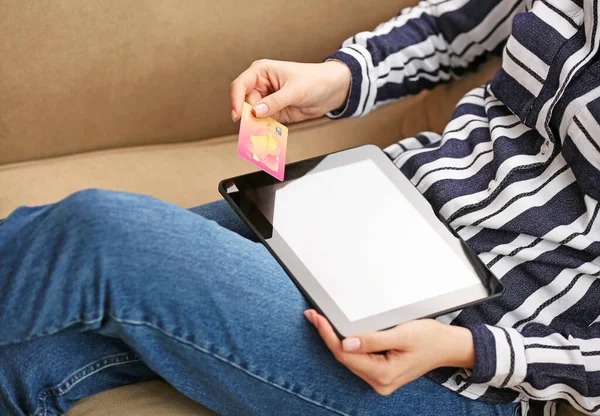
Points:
[363,240]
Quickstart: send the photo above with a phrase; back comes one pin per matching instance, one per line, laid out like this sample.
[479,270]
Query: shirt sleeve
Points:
[422,47]
[540,362]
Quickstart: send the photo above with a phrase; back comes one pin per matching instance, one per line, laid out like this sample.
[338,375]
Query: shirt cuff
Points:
[499,356]
[362,91]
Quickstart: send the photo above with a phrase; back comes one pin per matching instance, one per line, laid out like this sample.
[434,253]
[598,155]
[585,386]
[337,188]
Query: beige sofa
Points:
[133,96]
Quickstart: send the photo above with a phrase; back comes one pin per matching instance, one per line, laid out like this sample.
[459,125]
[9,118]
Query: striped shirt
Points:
[516,172]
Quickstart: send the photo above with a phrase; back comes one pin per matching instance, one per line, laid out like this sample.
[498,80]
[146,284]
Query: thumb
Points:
[274,103]
[375,341]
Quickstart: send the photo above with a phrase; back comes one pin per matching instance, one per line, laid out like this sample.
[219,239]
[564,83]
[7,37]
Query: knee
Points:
[120,218]
[96,212]
[90,205]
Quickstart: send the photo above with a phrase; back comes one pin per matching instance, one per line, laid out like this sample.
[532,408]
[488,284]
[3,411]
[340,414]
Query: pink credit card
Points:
[263,142]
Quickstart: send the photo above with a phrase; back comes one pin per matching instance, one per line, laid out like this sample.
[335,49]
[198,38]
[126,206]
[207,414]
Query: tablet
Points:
[360,241]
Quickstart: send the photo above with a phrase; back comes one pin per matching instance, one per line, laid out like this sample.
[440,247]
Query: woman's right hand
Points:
[290,91]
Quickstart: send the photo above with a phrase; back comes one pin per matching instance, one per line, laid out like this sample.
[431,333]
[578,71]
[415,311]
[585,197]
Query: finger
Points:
[238,90]
[253,97]
[274,103]
[365,366]
[310,314]
[326,332]
[376,341]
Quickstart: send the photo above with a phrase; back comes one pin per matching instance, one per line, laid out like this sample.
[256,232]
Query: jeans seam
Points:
[81,374]
[51,331]
[226,361]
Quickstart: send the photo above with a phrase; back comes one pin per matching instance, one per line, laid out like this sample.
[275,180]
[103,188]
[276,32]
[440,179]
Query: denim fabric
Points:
[104,289]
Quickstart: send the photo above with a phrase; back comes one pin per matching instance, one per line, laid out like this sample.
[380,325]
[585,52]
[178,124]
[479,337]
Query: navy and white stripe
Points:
[516,172]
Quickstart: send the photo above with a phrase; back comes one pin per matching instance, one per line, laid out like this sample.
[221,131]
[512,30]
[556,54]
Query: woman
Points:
[104,289]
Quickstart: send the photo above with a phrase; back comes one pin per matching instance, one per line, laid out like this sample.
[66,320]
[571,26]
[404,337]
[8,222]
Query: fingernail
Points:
[309,317]
[261,109]
[351,344]
[313,318]
[233,115]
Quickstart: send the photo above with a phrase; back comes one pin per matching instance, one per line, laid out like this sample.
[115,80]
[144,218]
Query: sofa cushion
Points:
[149,398]
[186,174]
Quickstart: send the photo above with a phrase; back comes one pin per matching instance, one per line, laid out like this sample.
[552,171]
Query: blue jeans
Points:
[104,289]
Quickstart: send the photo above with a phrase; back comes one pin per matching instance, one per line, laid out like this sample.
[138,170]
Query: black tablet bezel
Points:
[234,191]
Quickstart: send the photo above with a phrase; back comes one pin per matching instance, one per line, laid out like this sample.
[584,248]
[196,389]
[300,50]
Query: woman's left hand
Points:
[412,349]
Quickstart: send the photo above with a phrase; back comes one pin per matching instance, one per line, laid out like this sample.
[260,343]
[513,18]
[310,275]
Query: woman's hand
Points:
[290,91]
[412,349]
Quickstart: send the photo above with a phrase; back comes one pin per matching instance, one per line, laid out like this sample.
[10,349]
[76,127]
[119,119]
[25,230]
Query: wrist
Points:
[459,347]
[340,80]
